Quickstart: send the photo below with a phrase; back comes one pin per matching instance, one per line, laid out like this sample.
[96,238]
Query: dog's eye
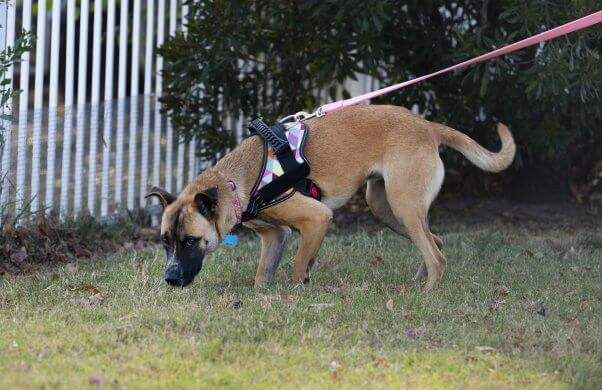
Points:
[164,241]
[190,241]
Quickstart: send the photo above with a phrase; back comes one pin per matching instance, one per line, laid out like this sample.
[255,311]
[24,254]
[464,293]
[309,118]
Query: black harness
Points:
[295,173]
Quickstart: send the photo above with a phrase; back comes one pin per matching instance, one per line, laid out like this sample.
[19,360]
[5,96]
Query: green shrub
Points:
[268,58]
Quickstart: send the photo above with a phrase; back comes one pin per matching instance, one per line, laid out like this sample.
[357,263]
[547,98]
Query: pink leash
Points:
[578,24]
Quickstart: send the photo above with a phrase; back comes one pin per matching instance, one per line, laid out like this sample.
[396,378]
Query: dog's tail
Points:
[478,155]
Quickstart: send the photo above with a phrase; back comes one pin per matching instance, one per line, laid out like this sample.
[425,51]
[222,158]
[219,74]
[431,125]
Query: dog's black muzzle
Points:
[174,277]
[179,276]
[181,271]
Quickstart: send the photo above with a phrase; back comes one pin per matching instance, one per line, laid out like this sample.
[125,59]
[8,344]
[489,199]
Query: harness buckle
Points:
[297,117]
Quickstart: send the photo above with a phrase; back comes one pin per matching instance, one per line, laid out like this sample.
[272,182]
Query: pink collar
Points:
[235,198]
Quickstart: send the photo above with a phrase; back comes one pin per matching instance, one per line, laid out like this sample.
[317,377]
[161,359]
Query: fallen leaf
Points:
[96,298]
[270,298]
[289,298]
[414,333]
[90,301]
[570,340]
[284,278]
[79,250]
[380,362]
[56,276]
[336,376]
[541,310]
[139,245]
[438,342]
[390,305]
[72,268]
[402,289]
[376,260]
[486,349]
[95,381]
[497,303]
[497,374]
[277,298]
[519,341]
[337,370]
[19,256]
[529,253]
[581,268]
[575,324]
[87,288]
[502,291]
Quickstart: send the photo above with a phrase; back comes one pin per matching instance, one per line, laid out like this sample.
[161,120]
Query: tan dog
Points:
[392,150]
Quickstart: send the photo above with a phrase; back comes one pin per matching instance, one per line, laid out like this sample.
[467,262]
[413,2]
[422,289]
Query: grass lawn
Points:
[113,322]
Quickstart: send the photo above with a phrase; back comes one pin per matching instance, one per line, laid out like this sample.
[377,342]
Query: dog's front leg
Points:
[273,243]
[311,218]
[311,233]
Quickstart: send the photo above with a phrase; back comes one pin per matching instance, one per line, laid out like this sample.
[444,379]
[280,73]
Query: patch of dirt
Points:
[45,241]
[559,214]
[471,211]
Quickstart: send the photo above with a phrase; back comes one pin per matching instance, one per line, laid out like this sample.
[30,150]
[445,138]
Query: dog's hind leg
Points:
[376,197]
[274,239]
[410,203]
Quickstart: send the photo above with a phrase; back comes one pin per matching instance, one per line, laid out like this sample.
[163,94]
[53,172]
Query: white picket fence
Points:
[90,150]
[85,146]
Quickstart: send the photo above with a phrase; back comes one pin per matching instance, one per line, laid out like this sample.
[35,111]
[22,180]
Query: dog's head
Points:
[189,231]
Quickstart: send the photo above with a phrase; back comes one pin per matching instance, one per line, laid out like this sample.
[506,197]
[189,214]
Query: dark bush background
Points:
[269,57]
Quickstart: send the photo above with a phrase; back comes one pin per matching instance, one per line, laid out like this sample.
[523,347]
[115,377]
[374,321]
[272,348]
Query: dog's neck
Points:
[241,166]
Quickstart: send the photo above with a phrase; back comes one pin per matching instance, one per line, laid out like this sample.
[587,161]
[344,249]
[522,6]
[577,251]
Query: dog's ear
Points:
[206,202]
[164,197]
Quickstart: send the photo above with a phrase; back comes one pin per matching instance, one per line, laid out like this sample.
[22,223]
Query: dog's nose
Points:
[174,281]
[173,276]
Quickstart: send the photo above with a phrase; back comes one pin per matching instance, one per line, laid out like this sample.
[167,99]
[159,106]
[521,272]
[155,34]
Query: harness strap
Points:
[295,175]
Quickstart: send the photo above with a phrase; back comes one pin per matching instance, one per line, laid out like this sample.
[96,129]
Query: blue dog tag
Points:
[230,239]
